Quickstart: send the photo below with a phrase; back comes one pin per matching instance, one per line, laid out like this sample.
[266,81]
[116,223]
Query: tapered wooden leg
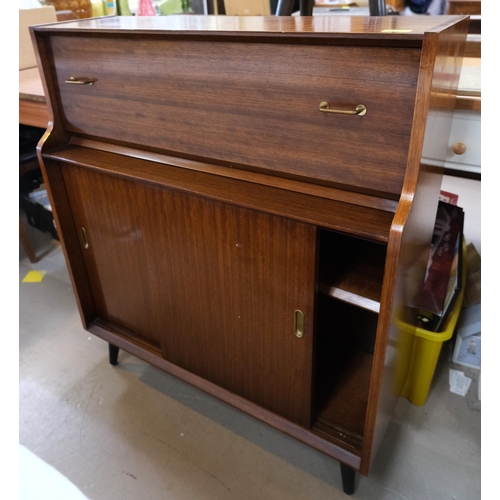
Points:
[348,476]
[113,354]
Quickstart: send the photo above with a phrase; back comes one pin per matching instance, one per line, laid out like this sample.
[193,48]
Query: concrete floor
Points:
[133,431]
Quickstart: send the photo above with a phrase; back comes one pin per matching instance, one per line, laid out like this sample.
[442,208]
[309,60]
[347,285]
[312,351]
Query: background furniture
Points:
[260,181]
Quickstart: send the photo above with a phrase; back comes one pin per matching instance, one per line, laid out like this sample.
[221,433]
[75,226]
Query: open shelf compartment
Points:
[346,326]
[351,269]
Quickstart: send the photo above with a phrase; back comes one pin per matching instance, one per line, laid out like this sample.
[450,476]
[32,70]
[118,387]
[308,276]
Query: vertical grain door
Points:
[215,286]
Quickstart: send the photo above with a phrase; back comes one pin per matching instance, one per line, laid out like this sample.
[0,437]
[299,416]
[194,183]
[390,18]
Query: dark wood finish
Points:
[356,219]
[279,129]
[348,478]
[241,315]
[362,270]
[238,306]
[330,29]
[344,411]
[174,159]
[111,213]
[318,190]
[146,353]
[113,354]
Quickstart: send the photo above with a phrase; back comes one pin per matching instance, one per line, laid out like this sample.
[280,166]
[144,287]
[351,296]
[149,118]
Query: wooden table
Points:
[32,107]
[32,111]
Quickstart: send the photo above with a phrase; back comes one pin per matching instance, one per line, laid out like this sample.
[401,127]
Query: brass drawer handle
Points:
[81,80]
[360,110]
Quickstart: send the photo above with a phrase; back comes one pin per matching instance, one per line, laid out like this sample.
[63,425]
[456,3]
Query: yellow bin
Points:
[422,350]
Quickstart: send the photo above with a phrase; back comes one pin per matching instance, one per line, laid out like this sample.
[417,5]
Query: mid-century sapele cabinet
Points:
[241,202]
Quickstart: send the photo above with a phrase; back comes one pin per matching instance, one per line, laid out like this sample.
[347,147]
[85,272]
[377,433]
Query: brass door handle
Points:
[81,80]
[298,323]
[360,110]
[85,241]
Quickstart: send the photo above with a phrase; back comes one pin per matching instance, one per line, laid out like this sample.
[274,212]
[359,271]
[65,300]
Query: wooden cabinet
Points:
[242,203]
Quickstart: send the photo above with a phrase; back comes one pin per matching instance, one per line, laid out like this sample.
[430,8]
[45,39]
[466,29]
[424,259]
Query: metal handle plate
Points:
[84,237]
[298,323]
[360,109]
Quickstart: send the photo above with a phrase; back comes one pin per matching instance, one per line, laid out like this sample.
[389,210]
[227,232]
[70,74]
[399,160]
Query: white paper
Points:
[459,383]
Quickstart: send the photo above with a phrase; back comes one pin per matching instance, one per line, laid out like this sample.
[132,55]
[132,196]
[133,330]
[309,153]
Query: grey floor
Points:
[134,432]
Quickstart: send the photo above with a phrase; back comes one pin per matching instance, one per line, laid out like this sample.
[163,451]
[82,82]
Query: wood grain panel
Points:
[110,212]
[33,113]
[351,218]
[355,29]
[314,438]
[235,279]
[189,98]
[205,281]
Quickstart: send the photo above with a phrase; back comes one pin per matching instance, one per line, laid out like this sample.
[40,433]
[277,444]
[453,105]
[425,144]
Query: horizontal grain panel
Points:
[346,217]
[251,105]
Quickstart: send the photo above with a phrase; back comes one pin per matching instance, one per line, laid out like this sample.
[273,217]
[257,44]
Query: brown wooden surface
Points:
[149,355]
[164,96]
[473,46]
[411,231]
[32,106]
[235,278]
[116,260]
[343,413]
[353,265]
[460,7]
[341,216]
[205,282]
[288,27]
[408,237]
[318,190]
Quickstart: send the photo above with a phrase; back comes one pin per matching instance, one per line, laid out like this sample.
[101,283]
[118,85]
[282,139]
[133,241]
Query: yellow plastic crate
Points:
[419,349]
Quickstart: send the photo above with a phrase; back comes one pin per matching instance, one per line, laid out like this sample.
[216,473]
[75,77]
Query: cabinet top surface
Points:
[409,27]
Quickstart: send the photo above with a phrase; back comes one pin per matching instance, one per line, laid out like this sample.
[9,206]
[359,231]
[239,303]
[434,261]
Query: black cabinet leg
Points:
[113,354]
[348,475]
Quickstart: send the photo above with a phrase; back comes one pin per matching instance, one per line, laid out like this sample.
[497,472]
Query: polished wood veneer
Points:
[220,226]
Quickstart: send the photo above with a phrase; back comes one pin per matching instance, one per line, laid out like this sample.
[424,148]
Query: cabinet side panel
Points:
[411,231]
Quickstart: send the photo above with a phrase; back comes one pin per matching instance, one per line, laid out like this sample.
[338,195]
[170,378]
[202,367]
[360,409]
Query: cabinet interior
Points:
[350,275]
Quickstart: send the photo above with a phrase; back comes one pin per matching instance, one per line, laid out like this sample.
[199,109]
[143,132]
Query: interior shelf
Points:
[352,269]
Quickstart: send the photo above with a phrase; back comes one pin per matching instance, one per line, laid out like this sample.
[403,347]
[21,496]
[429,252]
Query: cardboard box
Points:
[27,18]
